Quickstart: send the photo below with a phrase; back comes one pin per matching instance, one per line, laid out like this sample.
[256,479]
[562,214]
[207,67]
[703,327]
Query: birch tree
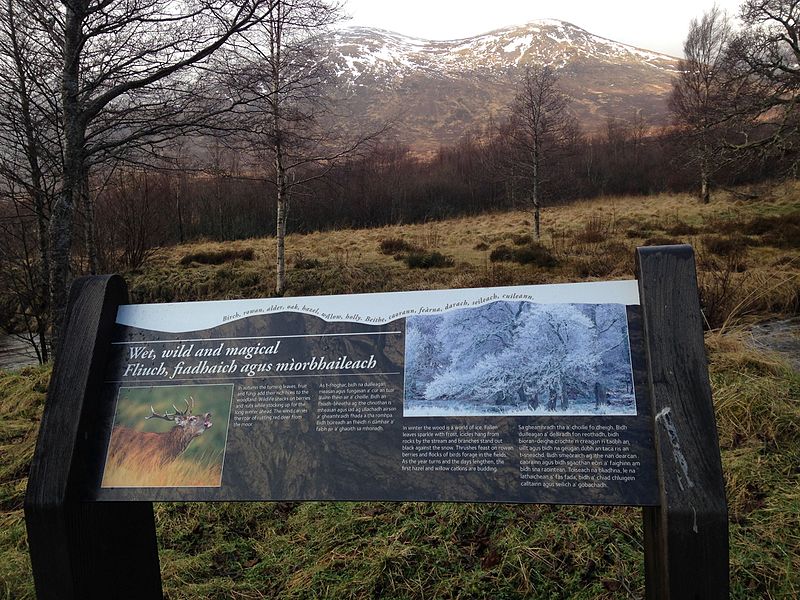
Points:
[127,79]
[765,54]
[701,93]
[293,84]
[539,119]
[30,160]
[287,113]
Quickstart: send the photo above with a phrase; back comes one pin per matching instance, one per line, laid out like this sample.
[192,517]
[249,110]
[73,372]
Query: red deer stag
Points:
[148,450]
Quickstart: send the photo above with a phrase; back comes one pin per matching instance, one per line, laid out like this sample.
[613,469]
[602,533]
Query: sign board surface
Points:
[519,394]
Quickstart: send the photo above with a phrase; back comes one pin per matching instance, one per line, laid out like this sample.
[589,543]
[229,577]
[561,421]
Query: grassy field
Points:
[749,260]
[748,253]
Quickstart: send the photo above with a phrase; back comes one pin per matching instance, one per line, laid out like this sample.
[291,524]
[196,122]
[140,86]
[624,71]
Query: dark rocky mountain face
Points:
[436,91]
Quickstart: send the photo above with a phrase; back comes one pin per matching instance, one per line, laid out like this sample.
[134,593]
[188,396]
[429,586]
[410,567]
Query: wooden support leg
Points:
[686,537]
[84,550]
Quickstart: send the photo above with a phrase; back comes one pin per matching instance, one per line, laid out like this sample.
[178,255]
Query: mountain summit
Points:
[436,91]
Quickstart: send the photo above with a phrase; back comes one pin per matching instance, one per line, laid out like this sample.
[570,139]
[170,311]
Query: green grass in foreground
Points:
[405,550]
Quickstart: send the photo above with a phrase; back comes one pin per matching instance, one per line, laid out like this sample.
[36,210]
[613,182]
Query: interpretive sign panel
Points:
[520,394]
[586,393]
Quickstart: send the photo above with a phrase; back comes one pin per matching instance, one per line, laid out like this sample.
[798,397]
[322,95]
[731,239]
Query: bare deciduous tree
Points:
[29,161]
[292,81]
[126,80]
[539,120]
[765,55]
[701,94]
[284,86]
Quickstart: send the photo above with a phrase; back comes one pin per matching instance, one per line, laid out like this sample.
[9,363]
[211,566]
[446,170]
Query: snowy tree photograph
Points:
[518,359]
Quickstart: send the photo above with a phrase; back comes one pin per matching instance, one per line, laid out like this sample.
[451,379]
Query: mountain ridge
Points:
[439,90]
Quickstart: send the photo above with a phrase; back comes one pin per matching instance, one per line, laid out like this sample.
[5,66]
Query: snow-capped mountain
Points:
[436,91]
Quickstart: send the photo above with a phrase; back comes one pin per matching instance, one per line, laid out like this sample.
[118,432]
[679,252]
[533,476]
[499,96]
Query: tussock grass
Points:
[731,245]
[595,230]
[21,402]
[528,254]
[590,240]
[757,401]
[306,262]
[208,257]
[395,245]
[428,260]
[680,228]
[370,550]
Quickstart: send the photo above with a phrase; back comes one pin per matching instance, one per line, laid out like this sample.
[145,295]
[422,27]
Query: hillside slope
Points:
[438,90]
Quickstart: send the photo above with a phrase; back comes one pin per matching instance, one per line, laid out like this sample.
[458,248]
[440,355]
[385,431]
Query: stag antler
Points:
[189,408]
[167,416]
[154,415]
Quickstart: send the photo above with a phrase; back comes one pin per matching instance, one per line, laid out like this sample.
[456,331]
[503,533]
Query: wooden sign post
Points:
[686,536]
[257,370]
[82,550]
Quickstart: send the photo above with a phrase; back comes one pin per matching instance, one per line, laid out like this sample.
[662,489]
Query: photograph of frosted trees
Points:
[519,358]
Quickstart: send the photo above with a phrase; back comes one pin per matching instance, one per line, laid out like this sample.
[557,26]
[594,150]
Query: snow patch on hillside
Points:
[358,52]
[520,43]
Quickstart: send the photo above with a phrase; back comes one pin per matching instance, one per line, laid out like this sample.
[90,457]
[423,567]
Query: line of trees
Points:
[125,125]
[392,185]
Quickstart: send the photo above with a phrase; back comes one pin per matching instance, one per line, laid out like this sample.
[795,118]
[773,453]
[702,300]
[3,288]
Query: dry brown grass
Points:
[744,273]
[182,472]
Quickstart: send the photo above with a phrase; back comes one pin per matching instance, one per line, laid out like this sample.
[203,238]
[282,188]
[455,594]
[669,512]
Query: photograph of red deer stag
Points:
[170,436]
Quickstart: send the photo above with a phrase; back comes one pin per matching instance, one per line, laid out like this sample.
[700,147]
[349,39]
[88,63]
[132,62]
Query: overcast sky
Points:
[659,26]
